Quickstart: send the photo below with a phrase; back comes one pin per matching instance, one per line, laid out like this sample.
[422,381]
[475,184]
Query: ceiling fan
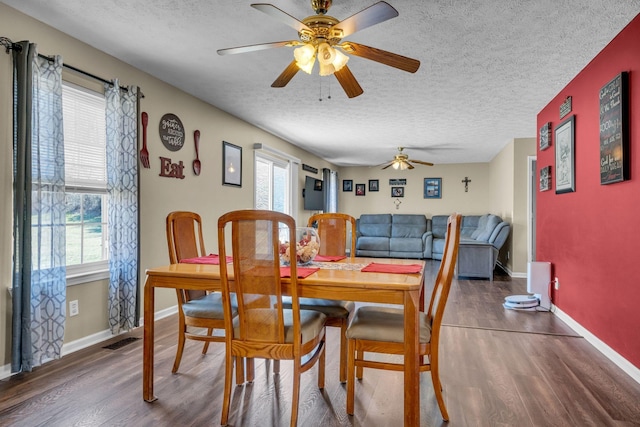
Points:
[402,161]
[319,36]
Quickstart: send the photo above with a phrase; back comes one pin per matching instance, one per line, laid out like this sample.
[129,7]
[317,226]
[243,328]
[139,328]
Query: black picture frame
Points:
[545,136]
[374,185]
[231,164]
[564,141]
[397,191]
[433,188]
[360,190]
[545,178]
[347,185]
[614,130]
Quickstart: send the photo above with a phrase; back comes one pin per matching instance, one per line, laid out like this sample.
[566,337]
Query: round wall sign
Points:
[171,132]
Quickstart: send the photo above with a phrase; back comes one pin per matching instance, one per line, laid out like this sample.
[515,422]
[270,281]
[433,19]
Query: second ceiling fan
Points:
[321,36]
[401,161]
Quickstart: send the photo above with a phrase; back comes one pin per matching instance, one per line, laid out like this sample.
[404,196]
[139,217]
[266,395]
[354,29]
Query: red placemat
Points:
[302,272]
[329,258]
[392,268]
[209,259]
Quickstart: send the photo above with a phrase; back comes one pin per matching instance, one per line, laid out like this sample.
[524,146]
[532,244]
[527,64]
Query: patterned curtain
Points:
[122,188]
[39,264]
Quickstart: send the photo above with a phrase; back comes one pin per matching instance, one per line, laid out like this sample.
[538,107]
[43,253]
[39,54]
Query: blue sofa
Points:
[481,237]
[416,236]
[393,236]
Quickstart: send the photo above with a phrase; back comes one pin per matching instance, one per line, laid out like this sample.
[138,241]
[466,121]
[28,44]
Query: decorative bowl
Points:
[307,246]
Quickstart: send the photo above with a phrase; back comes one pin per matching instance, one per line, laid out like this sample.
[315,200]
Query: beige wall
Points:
[158,196]
[454,198]
[205,194]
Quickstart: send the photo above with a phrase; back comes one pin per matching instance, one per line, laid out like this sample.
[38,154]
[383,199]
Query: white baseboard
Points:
[603,348]
[511,273]
[73,346]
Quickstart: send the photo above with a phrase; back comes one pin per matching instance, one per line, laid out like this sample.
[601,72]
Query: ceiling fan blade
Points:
[255,47]
[409,165]
[374,14]
[421,162]
[348,82]
[281,16]
[382,56]
[387,166]
[286,76]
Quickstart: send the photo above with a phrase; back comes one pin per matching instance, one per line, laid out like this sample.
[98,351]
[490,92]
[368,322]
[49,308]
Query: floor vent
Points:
[116,345]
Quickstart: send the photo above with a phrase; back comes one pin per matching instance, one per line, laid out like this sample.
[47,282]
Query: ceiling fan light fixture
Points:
[326,69]
[340,60]
[305,57]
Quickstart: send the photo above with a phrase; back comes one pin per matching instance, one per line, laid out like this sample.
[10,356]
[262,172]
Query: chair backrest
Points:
[445,274]
[184,239]
[333,229]
[255,247]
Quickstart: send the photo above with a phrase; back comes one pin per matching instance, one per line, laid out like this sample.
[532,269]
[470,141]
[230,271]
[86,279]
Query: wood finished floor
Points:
[500,368]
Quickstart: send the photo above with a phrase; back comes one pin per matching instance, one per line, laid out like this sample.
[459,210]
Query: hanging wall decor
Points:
[614,131]
[171,132]
[545,178]
[231,164]
[545,136]
[565,175]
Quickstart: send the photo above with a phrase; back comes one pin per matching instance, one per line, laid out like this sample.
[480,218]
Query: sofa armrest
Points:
[427,244]
[500,234]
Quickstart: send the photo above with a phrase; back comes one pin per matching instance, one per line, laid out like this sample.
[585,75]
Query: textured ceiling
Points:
[487,67]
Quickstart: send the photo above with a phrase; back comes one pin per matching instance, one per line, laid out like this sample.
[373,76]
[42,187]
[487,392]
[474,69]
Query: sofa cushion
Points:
[439,226]
[372,243]
[480,226]
[406,225]
[492,222]
[375,225]
[469,225]
[406,244]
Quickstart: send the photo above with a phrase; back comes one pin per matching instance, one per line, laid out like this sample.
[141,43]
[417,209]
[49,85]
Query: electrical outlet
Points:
[74,310]
[557,283]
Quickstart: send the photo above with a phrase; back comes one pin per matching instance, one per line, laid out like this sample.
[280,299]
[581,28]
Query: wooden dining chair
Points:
[333,229]
[263,327]
[196,309]
[378,329]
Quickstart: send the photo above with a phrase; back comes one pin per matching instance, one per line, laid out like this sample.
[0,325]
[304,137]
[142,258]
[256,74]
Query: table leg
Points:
[147,353]
[411,359]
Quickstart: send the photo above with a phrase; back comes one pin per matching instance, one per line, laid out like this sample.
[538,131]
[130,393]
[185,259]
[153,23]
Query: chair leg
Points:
[351,378]
[343,351]
[250,369]
[321,365]
[359,369]
[205,348]
[228,372]
[276,367]
[295,392]
[181,339]
[437,388]
[239,370]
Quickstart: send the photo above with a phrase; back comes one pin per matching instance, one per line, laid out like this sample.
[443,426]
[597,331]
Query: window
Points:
[276,180]
[85,183]
[272,184]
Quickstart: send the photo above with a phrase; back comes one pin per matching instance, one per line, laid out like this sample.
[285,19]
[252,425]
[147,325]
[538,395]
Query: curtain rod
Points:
[8,44]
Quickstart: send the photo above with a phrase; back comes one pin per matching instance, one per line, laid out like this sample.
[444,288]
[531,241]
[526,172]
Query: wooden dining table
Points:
[340,281]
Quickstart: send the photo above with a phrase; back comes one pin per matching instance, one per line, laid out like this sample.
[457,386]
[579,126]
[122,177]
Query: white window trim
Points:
[294,164]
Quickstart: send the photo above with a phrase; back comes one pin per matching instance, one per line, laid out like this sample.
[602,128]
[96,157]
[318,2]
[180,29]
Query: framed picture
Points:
[565,175]
[545,178]
[545,136]
[397,191]
[347,185]
[231,164]
[433,188]
[614,130]
[360,190]
[373,185]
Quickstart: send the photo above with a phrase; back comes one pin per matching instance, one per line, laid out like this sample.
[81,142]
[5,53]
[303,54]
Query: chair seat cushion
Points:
[207,307]
[331,308]
[311,323]
[385,324]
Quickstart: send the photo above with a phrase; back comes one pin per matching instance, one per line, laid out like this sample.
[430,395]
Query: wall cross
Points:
[466,182]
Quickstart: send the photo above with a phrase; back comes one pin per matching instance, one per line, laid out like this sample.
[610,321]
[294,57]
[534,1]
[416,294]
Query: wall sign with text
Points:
[614,130]
[171,132]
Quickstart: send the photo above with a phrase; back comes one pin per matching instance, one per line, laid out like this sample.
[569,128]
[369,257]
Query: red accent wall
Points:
[592,236]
